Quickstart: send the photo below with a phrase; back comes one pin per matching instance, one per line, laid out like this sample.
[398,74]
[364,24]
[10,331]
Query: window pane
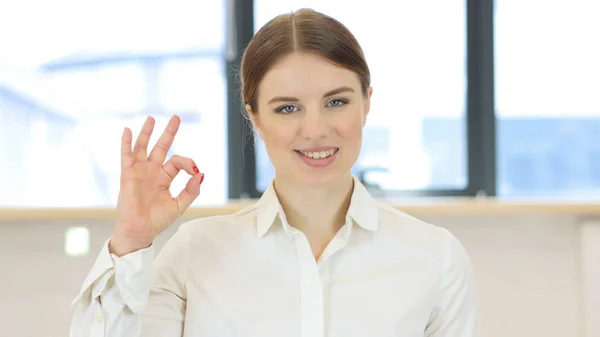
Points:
[417,55]
[66,93]
[548,81]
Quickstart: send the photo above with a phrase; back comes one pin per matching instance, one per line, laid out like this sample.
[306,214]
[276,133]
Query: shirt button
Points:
[99,318]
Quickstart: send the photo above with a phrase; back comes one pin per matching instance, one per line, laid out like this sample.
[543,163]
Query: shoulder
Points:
[241,223]
[408,229]
[395,222]
[208,237]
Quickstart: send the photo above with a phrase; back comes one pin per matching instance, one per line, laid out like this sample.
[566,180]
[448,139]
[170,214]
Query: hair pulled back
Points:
[306,31]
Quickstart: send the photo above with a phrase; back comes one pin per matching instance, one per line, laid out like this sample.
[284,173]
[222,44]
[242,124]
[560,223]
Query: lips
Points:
[320,154]
[318,159]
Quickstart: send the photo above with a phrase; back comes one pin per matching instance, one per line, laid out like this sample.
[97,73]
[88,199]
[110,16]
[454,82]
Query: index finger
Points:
[162,146]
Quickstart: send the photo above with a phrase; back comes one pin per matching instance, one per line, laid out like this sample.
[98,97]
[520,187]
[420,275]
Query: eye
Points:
[286,109]
[337,102]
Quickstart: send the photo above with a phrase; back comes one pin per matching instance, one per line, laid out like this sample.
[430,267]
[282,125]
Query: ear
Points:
[254,120]
[367,105]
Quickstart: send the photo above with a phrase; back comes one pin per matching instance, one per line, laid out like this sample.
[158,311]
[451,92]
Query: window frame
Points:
[480,109]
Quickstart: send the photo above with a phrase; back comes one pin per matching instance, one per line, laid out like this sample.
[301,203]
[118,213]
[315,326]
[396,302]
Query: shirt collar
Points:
[362,210]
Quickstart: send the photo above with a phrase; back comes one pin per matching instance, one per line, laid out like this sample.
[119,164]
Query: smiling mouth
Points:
[319,154]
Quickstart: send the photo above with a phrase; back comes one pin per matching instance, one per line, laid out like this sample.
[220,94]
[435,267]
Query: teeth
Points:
[319,155]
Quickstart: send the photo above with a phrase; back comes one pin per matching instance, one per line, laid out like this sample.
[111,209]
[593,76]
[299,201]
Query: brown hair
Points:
[305,30]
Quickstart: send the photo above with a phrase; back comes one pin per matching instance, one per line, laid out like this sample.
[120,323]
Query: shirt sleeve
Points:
[132,295]
[456,311]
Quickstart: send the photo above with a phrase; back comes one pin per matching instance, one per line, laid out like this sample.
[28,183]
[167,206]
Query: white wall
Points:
[529,269]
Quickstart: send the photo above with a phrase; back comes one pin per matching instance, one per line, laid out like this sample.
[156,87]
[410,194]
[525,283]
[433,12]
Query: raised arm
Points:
[127,294]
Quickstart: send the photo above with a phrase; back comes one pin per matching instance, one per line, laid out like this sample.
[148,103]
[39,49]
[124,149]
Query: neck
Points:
[315,211]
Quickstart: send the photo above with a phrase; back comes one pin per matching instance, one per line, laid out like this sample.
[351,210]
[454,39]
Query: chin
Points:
[320,179]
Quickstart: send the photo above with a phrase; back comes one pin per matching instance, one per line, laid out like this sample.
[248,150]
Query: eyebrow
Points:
[327,94]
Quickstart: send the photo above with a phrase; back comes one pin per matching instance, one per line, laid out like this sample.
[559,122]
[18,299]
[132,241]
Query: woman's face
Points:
[310,116]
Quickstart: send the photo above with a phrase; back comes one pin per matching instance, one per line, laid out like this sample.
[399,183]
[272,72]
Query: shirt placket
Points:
[312,316]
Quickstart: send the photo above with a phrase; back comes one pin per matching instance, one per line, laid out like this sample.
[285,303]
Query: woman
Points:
[315,256]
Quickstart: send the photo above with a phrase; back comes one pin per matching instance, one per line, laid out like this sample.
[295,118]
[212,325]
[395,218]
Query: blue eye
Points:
[337,102]
[286,109]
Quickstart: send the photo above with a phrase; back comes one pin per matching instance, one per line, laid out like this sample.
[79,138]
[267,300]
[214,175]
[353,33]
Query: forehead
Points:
[305,75]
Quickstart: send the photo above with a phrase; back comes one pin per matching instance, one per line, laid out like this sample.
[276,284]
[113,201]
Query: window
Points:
[547,85]
[74,74]
[415,138]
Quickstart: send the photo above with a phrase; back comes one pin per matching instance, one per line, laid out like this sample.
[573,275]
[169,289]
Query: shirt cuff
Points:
[102,266]
[133,273]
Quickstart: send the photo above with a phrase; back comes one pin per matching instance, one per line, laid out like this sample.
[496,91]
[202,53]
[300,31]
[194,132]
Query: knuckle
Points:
[141,144]
[161,146]
[182,161]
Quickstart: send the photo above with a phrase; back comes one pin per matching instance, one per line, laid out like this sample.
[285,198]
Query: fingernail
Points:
[196,169]
[201,179]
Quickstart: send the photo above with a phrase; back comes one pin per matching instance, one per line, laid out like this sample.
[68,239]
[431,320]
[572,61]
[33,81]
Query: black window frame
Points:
[480,109]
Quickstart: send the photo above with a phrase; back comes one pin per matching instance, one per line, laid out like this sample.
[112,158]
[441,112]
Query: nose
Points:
[314,125]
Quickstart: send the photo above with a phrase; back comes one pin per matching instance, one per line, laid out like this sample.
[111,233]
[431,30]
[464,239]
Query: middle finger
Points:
[159,152]
[141,144]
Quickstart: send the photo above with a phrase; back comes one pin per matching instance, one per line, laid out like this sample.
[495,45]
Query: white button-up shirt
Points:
[251,274]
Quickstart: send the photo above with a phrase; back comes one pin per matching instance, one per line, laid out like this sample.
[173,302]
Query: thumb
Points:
[189,193]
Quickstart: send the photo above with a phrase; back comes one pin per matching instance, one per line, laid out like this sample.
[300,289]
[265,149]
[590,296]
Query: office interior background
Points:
[485,119]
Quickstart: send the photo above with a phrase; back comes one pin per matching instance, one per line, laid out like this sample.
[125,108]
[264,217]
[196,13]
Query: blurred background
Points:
[492,106]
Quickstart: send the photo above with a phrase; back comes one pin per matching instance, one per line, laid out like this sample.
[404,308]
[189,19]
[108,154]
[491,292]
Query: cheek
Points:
[350,129]
[279,136]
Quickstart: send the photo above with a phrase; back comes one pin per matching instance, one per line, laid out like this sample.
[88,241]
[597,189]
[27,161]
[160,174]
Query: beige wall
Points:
[537,275]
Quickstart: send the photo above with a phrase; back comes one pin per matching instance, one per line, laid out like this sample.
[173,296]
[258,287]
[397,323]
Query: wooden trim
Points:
[421,207]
